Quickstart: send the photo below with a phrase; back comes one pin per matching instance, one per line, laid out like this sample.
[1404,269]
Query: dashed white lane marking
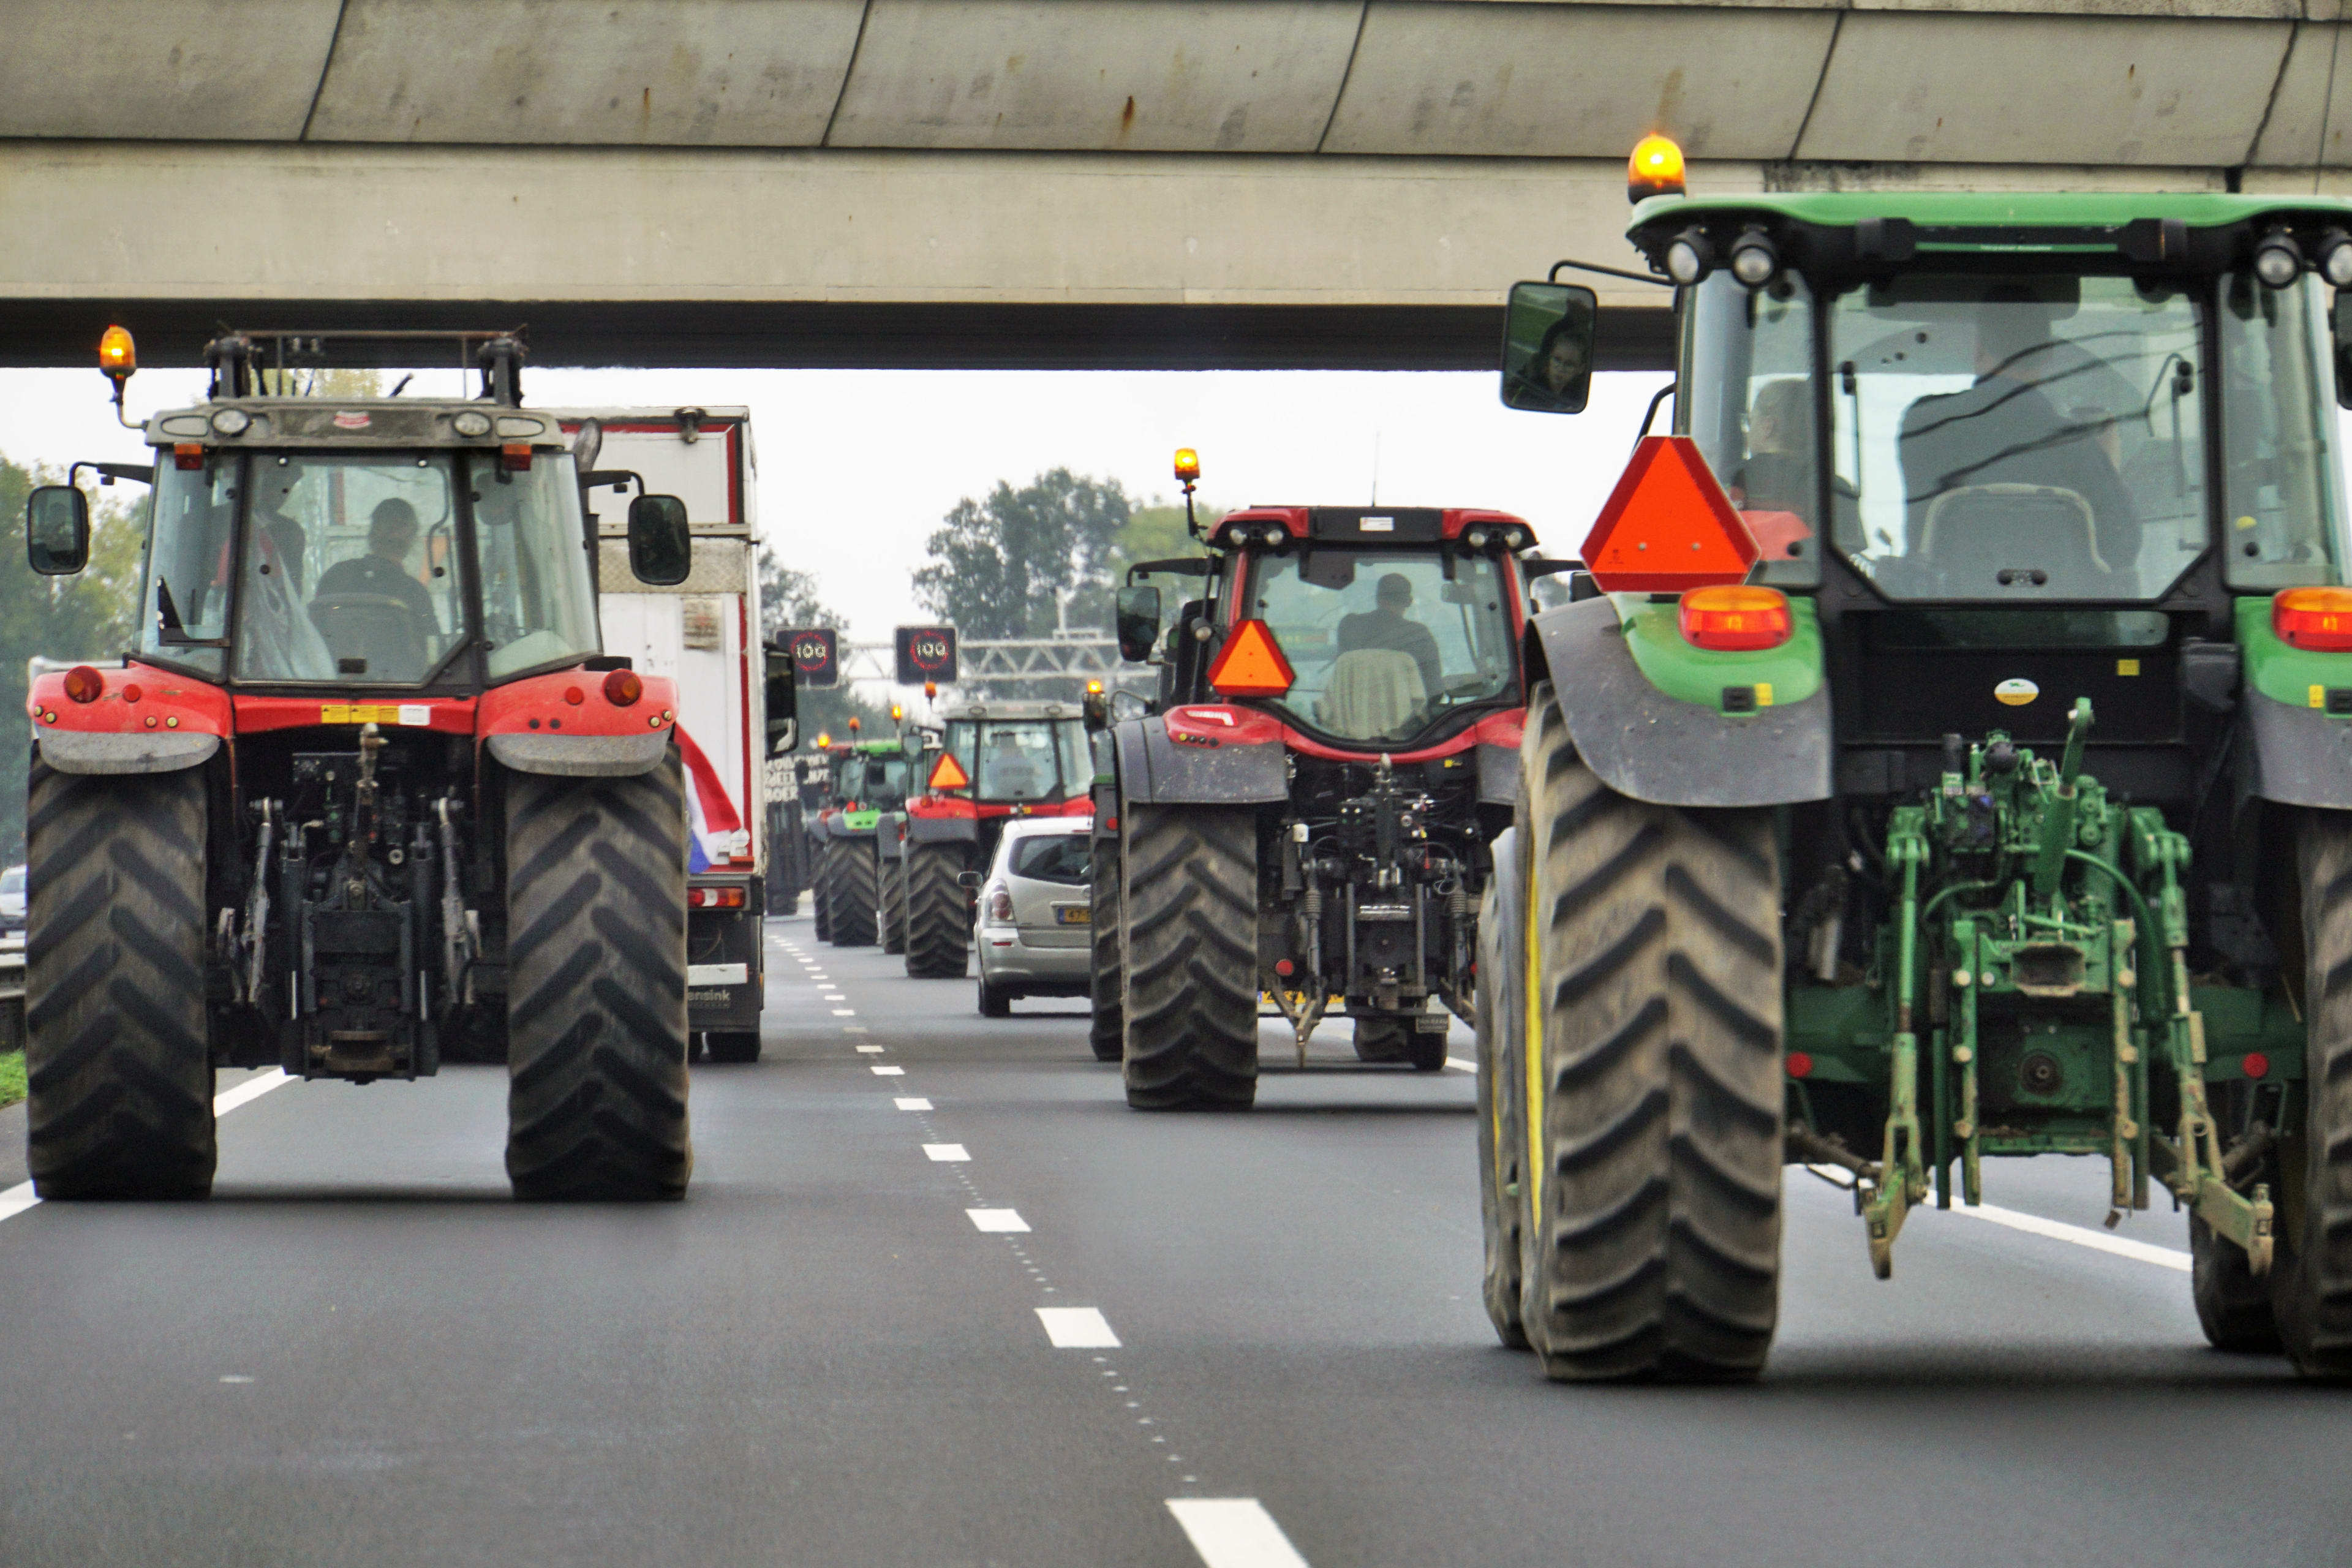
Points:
[1460,1064]
[844,1011]
[871,1050]
[15,1200]
[912,1103]
[1005,1220]
[855,1029]
[881,1071]
[2096,1241]
[1234,1532]
[946,1153]
[1078,1329]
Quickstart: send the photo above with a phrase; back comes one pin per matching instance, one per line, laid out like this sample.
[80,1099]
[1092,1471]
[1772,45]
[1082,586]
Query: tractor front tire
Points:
[2311,1266]
[1502,1013]
[939,915]
[1104,981]
[117,1046]
[853,885]
[1658,1102]
[1189,891]
[891,903]
[596,986]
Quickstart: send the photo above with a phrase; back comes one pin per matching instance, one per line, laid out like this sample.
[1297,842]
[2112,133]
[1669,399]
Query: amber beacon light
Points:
[1656,169]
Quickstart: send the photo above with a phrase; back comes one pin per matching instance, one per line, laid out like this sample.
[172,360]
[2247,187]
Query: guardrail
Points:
[12,994]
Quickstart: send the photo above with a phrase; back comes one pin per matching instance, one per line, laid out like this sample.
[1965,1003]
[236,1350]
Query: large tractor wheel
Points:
[938,914]
[596,986]
[117,1047]
[1189,886]
[891,905]
[853,890]
[2311,1267]
[1104,981]
[819,898]
[1655,1103]
[1502,1090]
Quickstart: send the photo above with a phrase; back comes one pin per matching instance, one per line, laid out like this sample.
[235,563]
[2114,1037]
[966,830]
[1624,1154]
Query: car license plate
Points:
[1072,915]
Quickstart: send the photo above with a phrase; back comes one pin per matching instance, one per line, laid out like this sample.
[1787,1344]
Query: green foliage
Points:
[1158,533]
[85,616]
[12,1079]
[789,600]
[1004,567]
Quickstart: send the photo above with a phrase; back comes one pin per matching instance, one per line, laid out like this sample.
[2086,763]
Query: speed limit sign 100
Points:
[927,654]
[816,657]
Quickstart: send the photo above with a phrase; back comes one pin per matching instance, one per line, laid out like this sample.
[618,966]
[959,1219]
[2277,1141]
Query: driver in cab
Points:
[383,572]
[1387,627]
[1007,771]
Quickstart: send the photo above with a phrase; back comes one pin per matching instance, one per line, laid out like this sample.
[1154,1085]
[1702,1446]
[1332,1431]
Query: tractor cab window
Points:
[351,570]
[2014,437]
[1021,759]
[1750,406]
[539,603]
[2282,493]
[874,783]
[191,554]
[1384,643]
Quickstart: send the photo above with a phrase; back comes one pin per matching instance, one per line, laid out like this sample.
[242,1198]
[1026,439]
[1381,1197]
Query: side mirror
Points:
[1548,334]
[57,529]
[661,548]
[1138,622]
[2340,325]
[784,700]
[968,880]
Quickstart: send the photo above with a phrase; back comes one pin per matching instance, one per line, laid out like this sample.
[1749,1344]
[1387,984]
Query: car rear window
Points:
[1061,858]
[11,880]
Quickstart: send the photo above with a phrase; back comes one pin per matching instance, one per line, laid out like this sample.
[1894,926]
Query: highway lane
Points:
[821,1358]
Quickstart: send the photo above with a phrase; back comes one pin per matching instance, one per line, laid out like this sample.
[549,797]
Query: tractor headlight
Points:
[1689,258]
[2335,257]
[1475,539]
[2278,260]
[471,423]
[1754,261]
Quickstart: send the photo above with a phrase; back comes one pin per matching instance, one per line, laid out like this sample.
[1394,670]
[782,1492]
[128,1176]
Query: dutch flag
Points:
[710,816]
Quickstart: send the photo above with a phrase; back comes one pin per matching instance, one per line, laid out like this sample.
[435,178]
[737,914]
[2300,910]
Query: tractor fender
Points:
[1498,774]
[1651,747]
[1156,770]
[581,756]
[890,836]
[2299,756]
[84,752]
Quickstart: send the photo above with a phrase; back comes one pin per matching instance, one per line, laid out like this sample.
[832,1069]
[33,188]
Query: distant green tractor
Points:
[1948,755]
[868,781]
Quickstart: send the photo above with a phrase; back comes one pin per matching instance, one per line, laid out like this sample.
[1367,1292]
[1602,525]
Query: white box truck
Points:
[704,633]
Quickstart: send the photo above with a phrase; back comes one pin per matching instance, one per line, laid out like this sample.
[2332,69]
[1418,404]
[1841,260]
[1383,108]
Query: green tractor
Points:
[1946,756]
[869,783]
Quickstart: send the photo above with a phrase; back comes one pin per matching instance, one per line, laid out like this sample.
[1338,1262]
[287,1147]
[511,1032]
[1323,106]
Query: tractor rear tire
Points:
[853,885]
[938,914]
[891,905]
[2233,1307]
[1104,981]
[117,1045]
[1502,1013]
[596,986]
[2311,1266]
[733,1046]
[819,898]
[1658,1103]
[1189,885]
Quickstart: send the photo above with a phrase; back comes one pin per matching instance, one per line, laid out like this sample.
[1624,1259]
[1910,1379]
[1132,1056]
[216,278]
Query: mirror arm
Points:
[144,473]
[1558,266]
[1532,570]
[1655,402]
[618,479]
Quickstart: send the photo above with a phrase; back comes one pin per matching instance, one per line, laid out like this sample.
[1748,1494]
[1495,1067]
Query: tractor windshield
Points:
[2282,490]
[1384,643]
[539,603]
[1022,759]
[351,568]
[191,554]
[874,783]
[2012,437]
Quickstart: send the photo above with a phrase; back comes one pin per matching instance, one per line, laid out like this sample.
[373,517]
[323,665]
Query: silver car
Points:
[12,901]
[1031,933]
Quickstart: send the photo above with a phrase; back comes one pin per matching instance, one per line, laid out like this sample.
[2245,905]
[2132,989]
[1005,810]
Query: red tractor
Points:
[364,797]
[1305,810]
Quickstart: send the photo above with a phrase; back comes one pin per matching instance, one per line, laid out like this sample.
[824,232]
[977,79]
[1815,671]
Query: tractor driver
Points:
[1386,625]
[2005,430]
[1007,770]
[383,572]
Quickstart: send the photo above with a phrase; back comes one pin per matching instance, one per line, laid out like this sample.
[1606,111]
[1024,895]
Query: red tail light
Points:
[714,898]
[84,684]
[1735,618]
[2318,620]
[622,687]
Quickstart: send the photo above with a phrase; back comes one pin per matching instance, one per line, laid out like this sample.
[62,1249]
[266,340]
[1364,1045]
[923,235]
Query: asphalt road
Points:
[362,1353]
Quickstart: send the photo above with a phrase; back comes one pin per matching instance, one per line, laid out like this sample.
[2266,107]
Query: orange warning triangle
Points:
[1252,664]
[1667,525]
[949,774]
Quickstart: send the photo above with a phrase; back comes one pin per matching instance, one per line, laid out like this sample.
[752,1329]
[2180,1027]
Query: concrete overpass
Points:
[1037,182]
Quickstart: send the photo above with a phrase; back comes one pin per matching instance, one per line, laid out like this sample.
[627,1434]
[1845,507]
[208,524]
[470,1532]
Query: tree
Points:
[789,600]
[1014,564]
[85,616]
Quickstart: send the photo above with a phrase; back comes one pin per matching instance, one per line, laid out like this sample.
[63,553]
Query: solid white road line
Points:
[1008,1221]
[912,1103]
[890,1072]
[945,1154]
[1234,1532]
[15,1200]
[1076,1329]
[2081,1236]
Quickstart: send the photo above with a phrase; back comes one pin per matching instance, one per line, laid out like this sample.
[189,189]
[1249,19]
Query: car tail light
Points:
[1735,618]
[2317,619]
[84,684]
[623,686]
[1000,906]
[714,898]
[574,695]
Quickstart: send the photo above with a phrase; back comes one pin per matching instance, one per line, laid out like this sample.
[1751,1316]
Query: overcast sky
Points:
[856,468]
